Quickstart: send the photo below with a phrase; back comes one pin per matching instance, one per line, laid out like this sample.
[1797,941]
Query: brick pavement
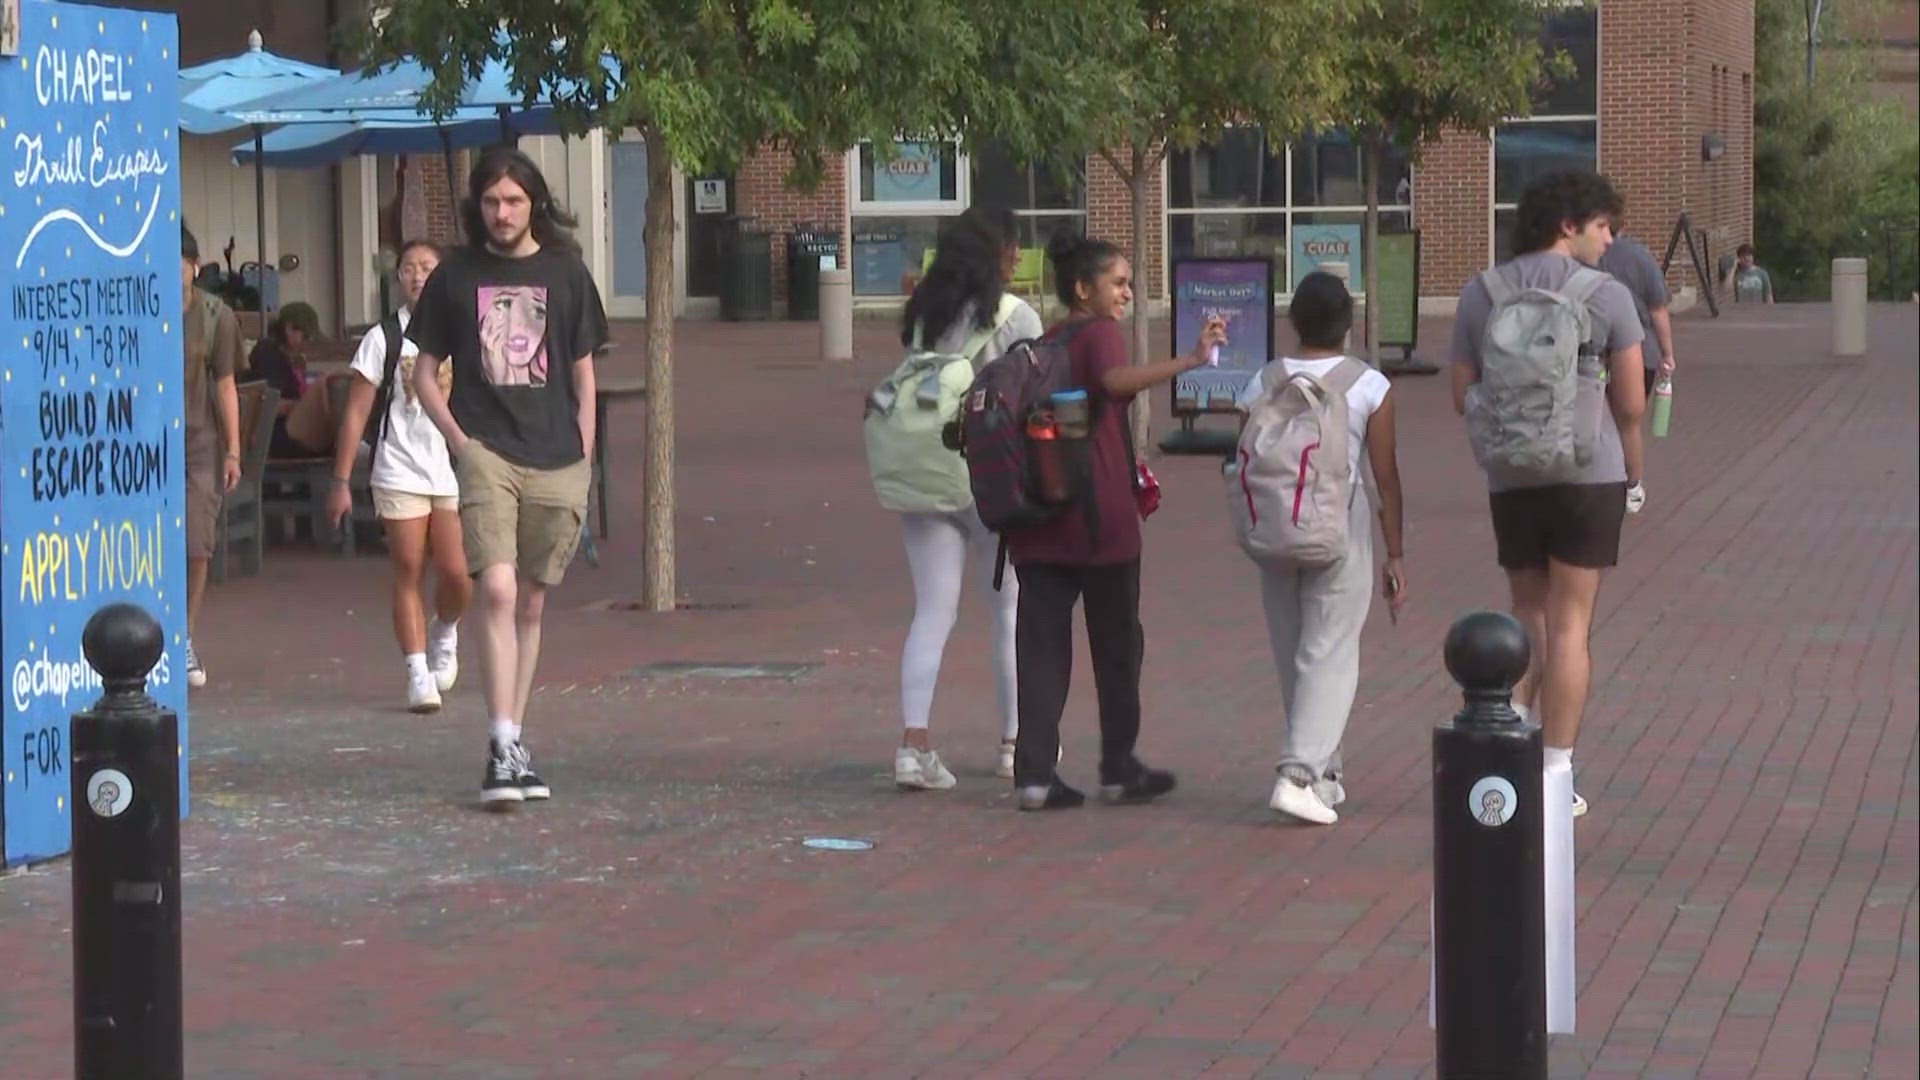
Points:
[1747,877]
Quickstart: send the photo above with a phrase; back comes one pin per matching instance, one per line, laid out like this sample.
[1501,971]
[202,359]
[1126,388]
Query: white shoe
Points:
[1579,805]
[443,653]
[1331,792]
[1299,800]
[918,770]
[1005,769]
[196,675]
[423,696]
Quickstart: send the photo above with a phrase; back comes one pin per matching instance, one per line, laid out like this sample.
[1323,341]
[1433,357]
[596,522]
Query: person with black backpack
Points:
[415,493]
[1090,546]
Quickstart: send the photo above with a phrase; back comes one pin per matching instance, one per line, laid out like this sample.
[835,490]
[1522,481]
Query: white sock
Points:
[1559,759]
[505,731]
[417,664]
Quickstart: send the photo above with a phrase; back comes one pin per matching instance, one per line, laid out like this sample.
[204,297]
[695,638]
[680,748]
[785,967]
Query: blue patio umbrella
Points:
[221,86]
[310,146]
[197,121]
[398,87]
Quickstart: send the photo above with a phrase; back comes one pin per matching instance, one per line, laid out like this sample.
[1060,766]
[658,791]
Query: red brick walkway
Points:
[1747,877]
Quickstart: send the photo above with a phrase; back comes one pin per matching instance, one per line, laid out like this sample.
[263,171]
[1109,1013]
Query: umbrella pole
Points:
[260,215]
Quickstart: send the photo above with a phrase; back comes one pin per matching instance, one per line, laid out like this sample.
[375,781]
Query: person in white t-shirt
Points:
[414,490]
[1315,614]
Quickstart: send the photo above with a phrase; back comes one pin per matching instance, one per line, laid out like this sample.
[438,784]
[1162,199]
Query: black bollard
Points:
[127,1019]
[1489,870]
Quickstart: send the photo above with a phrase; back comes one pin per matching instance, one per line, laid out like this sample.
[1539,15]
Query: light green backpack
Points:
[914,471]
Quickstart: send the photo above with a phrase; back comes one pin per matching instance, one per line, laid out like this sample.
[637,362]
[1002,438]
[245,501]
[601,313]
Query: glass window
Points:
[889,252]
[1575,32]
[1244,169]
[1232,236]
[921,175]
[1326,172]
[1525,152]
[999,180]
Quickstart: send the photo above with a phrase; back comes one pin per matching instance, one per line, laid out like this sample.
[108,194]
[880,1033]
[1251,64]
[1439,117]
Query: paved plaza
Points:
[1747,876]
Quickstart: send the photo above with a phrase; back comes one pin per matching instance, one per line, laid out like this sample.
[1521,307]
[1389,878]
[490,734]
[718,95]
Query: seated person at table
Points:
[281,360]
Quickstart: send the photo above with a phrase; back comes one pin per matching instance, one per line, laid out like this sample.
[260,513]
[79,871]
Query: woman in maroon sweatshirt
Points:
[1091,556]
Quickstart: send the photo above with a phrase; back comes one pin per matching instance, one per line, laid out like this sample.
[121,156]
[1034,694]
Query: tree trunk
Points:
[1142,413]
[658,590]
[1370,243]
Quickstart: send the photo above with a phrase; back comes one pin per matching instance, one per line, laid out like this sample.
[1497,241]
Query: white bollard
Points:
[836,314]
[1849,307]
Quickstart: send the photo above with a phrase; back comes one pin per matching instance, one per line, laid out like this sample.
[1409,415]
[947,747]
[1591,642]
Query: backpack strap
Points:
[383,396]
[1499,289]
[1580,289]
[1345,375]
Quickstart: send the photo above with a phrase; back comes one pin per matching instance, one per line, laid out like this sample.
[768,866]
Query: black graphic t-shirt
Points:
[513,329]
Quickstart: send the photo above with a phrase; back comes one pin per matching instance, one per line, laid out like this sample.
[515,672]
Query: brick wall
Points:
[1452,208]
[430,170]
[1110,217]
[763,192]
[1669,74]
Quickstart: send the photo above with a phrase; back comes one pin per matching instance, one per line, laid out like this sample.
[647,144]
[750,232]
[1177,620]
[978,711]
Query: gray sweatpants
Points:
[1314,618]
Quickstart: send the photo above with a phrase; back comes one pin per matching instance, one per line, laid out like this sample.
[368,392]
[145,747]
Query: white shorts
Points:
[393,505]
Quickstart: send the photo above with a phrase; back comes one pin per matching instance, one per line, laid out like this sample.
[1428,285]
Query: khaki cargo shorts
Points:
[526,518]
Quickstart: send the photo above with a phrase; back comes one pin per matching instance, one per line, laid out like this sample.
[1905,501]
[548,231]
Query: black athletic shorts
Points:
[1577,524]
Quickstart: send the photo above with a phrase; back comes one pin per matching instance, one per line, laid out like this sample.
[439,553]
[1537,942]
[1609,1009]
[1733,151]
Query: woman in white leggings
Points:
[959,307]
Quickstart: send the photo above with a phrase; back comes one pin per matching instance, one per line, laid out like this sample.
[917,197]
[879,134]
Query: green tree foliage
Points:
[705,83]
[1835,173]
[1127,80]
[1418,68]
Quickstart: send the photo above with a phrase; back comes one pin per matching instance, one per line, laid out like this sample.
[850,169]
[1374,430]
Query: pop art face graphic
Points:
[513,334]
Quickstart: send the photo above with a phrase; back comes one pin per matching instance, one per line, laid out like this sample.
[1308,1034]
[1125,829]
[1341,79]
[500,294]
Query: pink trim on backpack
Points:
[1252,514]
[1300,481]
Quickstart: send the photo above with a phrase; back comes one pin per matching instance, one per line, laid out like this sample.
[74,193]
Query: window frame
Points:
[1494,206]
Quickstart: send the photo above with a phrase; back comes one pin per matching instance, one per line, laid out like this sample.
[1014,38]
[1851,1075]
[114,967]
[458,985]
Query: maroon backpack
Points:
[992,433]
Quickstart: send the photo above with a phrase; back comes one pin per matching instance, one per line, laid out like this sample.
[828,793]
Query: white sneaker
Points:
[1298,800]
[423,695]
[196,675]
[1005,769]
[920,770]
[443,653]
[1579,805]
[1331,792]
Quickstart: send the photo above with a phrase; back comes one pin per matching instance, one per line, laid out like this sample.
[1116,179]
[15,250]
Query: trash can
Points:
[805,247]
[746,288]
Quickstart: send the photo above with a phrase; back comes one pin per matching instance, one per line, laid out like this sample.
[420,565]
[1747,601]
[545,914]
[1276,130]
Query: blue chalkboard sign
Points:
[92,479]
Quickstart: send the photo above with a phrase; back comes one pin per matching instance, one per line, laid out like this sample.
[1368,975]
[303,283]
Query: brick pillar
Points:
[764,193]
[1649,142]
[1453,209]
[443,219]
[1110,217]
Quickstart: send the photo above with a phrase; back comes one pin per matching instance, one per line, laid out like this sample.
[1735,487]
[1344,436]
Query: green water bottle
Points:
[1662,406]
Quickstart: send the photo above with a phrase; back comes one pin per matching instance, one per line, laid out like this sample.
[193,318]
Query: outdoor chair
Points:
[240,530]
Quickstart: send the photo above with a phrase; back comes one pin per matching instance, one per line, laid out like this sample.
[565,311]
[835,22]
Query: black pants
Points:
[1043,641]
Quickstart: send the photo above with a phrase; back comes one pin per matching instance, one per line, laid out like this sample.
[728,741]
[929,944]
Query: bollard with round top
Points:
[1489,879]
[125,799]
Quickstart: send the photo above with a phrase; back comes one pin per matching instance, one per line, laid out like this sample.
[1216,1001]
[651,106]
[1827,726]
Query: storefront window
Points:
[1298,206]
[900,208]
[1564,130]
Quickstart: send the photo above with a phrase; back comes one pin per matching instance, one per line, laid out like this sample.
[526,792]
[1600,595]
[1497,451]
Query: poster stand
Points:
[1239,290]
[1398,282]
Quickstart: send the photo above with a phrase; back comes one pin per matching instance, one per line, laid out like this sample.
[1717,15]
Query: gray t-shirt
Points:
[1632,265]
[1021,324]
[1752,285]
[1615,326]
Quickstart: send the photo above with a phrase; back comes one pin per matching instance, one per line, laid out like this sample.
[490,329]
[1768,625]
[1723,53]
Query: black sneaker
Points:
[531,786]
[1054,796]
[500,784]
[1136,784]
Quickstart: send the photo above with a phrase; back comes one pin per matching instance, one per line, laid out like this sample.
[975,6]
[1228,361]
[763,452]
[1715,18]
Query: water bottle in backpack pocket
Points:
[1536,414]
[1021,471]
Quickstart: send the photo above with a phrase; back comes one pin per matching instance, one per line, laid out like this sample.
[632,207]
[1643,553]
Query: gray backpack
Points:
[1536,413]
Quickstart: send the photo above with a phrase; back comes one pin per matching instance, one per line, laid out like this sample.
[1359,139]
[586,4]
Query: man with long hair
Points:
[517,314]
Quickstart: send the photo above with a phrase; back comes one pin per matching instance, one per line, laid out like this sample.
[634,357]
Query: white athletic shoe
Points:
[443,653]
[423,695]
[917,770]
[1005,769]
[1298,800]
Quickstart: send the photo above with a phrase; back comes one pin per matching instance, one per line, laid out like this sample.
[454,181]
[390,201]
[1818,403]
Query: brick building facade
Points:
[1662,102]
